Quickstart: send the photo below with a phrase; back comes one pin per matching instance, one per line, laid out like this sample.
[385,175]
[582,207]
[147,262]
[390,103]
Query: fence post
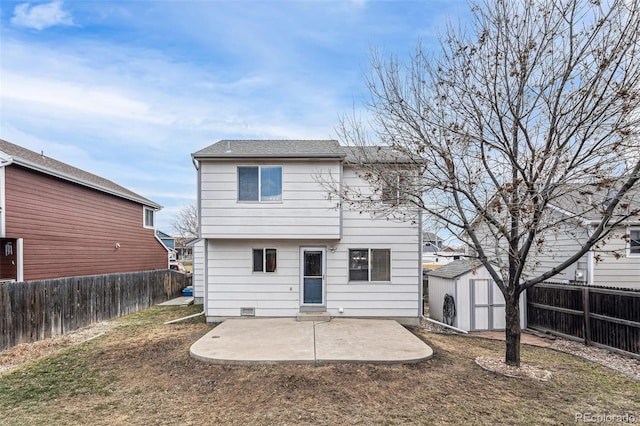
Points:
[587,321]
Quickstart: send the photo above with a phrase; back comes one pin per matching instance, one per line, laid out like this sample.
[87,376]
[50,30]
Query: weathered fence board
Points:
[600,316]
[35,310]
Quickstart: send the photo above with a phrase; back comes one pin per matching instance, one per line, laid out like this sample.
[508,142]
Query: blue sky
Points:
[129,89]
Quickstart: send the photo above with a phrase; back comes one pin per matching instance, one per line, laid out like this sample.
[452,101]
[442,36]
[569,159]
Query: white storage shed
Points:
[477,300]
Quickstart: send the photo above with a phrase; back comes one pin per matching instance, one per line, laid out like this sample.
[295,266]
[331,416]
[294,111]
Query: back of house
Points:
[276,242]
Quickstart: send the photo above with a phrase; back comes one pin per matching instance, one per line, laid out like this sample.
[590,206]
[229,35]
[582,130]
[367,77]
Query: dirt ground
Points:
[140,373]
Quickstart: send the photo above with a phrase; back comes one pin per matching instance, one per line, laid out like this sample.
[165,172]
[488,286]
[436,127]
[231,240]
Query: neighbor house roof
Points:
[588,202]
[271,149]
[39,162]
[454,269]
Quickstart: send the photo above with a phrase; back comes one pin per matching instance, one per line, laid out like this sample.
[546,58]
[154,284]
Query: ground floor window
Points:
[264,260]
[369,265]
[634,241]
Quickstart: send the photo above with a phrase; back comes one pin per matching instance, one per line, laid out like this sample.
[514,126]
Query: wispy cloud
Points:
[41,16]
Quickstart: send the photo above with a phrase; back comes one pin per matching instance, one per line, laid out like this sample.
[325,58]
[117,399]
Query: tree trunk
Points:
[512,331]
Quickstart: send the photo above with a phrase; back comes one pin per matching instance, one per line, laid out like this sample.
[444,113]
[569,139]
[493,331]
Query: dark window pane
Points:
[148,218]
[271,183]
[634,243]
[270,255]
[312,263]
[358,265]
[248,183]
[381,265]
[257,260]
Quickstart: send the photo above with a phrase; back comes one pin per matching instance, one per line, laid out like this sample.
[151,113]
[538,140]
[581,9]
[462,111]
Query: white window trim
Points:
[264,260]
[369,265]
[629,229]
[144,217]
[260,200]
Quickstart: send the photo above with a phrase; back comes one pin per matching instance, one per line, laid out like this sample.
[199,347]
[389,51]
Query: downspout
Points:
[4,161]
[340,186]
[205,242]
[420,271]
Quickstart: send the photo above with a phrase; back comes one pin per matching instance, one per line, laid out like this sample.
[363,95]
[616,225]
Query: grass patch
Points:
[65,374]
[140,373]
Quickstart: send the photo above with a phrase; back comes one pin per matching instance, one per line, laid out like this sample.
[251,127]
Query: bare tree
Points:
[185,222]
[515,128]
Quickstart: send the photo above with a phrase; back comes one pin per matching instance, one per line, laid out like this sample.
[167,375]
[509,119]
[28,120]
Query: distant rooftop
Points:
[41,163]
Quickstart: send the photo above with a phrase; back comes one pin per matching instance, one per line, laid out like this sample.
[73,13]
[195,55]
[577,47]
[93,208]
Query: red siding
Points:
[71,230]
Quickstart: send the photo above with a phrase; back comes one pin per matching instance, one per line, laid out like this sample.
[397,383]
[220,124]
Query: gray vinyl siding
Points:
[622,272]
[232,285]
[398,298]
[564,244]
[305,211]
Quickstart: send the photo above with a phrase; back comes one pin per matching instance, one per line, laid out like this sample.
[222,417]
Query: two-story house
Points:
[273,243]
[59,221]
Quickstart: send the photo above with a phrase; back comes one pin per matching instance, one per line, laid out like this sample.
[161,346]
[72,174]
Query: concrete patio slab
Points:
[368,340]
[285,340]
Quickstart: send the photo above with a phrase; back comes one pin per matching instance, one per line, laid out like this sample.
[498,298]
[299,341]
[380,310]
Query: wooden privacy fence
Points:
[600,316]
[35,310]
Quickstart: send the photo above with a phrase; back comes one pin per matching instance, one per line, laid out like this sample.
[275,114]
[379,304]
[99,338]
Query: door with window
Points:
[312,276]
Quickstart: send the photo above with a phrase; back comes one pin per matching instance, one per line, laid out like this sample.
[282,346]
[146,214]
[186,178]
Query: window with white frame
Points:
[148,217]
[369,265]
[634,242]
[394,190]
[264,260]
[260,183]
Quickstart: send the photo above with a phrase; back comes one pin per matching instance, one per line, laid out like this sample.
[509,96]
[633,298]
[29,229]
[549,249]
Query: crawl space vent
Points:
[248,312]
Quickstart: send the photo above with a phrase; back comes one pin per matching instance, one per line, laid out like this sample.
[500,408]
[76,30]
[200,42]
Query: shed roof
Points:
[272,149]
[38,162]
[454,269]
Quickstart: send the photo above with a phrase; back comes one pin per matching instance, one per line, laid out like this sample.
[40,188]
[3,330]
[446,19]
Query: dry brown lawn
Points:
[140,373]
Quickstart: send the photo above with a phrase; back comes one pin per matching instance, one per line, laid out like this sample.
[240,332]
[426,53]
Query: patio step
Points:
[313,316]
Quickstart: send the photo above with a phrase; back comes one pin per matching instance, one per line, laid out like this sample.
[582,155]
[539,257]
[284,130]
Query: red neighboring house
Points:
[59,221]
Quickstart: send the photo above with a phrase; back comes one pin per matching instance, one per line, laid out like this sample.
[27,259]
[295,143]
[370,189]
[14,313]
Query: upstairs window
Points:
[369,265]
[394,191]
[260,183]
[148,217]
[264,260]
[634,242]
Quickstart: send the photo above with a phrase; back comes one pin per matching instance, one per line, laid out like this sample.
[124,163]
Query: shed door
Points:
[487,306]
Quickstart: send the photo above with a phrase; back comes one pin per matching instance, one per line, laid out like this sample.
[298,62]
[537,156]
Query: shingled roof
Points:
[272,149]
[38,162]
[300,149]
[454,269]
